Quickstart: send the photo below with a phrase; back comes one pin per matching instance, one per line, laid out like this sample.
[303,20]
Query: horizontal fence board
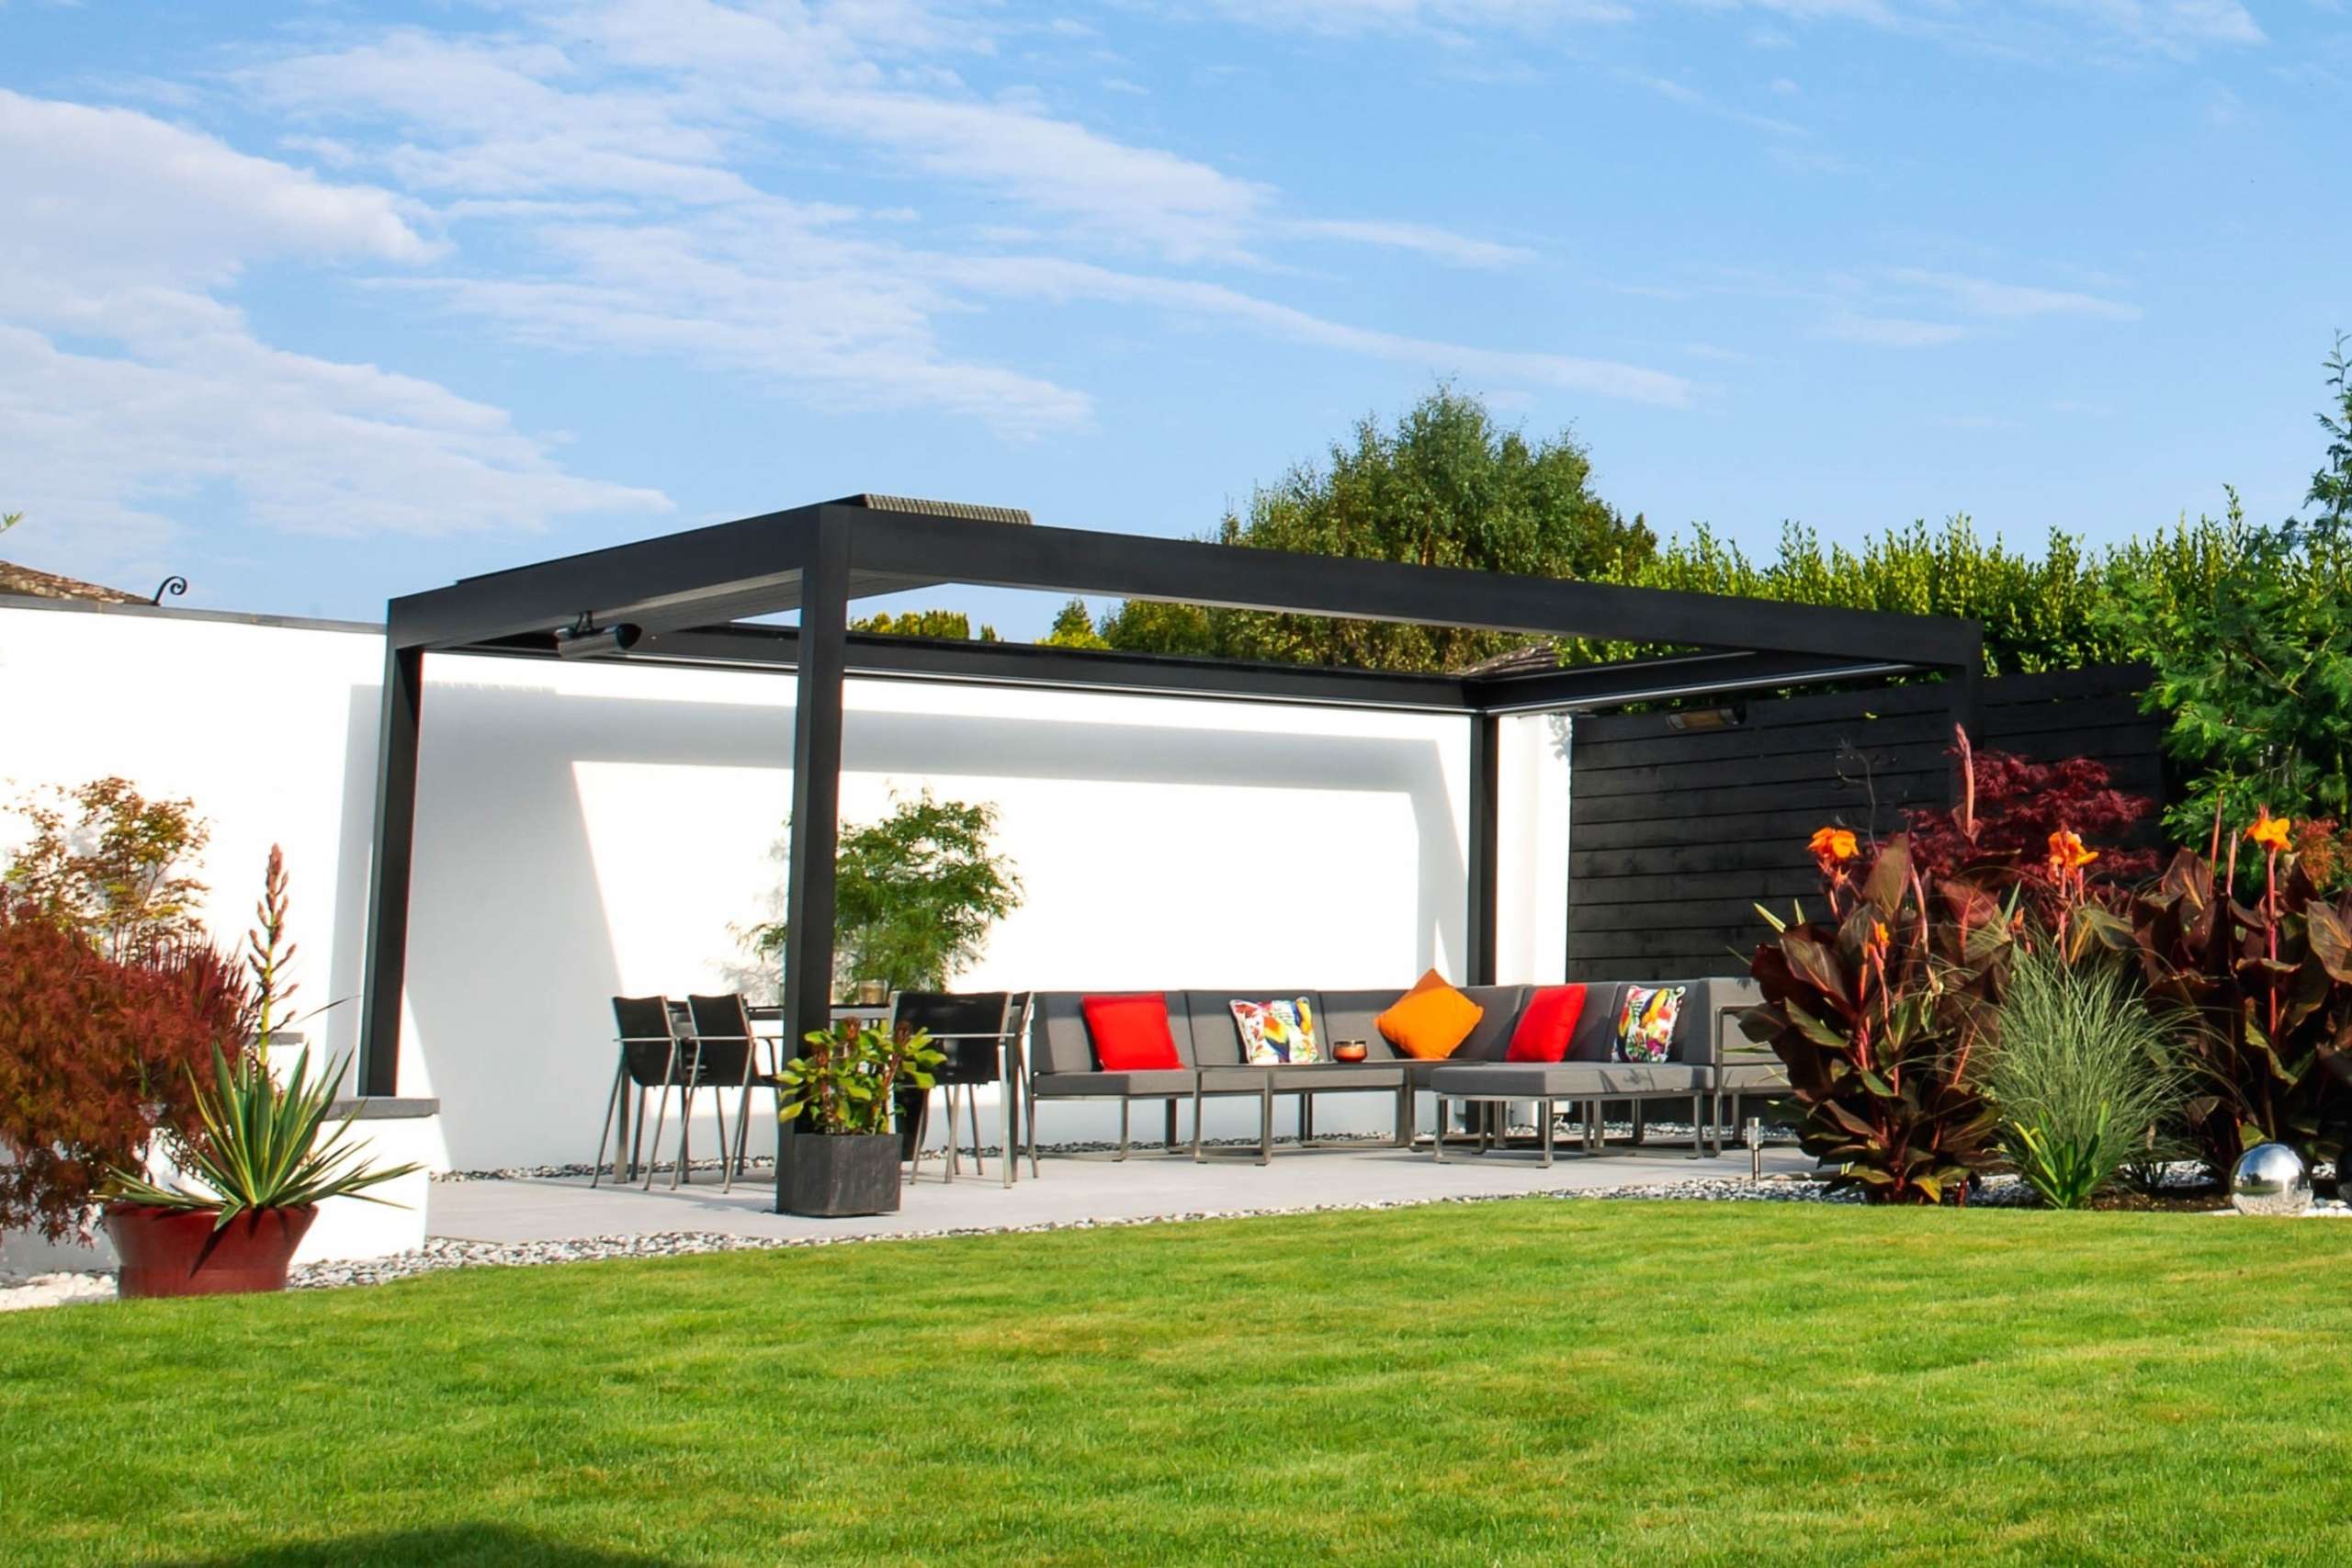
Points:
[1742,741]
[1606,783]
[1810,794]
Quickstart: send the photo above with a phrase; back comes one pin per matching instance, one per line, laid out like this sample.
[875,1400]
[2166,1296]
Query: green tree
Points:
[2249,630]
[948,626]
[1072,628]
[2331,488]
[1445,486]
[111,869]
[914,894]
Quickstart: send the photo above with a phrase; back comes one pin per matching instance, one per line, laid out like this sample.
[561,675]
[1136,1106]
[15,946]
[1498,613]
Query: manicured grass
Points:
[1534,1382]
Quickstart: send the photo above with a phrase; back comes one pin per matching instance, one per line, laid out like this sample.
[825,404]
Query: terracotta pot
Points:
[176,1252]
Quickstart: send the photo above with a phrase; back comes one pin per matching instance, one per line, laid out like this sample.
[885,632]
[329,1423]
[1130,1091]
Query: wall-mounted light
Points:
[585,641]
[1687,720]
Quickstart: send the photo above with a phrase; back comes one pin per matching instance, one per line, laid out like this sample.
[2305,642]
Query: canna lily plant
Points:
[1882,1012]
[2268,982]
[259,1147]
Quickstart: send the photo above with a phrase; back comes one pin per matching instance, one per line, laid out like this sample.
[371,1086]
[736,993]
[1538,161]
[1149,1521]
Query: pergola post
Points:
[1485,811]
[815,793]
[394,854]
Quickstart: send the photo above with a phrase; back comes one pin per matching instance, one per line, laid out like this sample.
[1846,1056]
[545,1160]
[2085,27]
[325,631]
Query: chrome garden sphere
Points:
[2271,1179]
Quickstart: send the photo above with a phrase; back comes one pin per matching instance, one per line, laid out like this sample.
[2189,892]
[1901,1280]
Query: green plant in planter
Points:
[845,1082]
[260,1147]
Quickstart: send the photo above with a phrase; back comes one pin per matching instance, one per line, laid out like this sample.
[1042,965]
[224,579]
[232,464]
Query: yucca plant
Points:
[260,1147]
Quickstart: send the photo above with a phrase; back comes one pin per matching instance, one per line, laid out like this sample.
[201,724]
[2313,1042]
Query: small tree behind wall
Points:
[914,894]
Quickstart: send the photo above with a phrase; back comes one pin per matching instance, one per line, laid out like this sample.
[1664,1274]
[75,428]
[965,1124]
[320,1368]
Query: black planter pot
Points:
[831,1177]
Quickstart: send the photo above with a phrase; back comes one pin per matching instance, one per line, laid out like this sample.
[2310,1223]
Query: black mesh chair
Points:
[646,1029]
[726,1056]
[971,1029]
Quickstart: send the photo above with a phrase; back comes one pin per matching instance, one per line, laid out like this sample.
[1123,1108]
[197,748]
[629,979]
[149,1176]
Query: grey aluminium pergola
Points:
[684,598]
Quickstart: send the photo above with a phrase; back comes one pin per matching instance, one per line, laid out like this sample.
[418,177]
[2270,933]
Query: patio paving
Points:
[1069,1190]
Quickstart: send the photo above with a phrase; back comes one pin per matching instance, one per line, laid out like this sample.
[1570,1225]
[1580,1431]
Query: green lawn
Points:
[1536,1382]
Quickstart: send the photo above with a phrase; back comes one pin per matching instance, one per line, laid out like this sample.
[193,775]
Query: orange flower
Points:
[2271,831]
[1833,843]
[2066,852]
[1880,935]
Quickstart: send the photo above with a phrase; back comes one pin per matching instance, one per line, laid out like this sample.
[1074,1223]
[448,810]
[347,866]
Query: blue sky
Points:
[320,303]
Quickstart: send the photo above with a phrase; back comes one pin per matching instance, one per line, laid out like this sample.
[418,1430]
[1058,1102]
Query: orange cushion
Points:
[1429,1023]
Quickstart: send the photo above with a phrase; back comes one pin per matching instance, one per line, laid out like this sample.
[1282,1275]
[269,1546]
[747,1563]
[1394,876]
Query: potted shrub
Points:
[841,1157]
[262,1169]
[95,1054]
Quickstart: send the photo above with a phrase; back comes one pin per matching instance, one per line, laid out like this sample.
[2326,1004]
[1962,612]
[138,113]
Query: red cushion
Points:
[1130,1034]
[1544,1028]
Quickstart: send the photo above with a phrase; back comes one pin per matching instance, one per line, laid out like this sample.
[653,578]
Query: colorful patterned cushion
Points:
[1278,1033]
[1645,1023]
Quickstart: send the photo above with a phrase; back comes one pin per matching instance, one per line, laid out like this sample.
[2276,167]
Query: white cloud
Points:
[2010,301]
[637,158]
[1440,244]
[1891,331]
[127,231]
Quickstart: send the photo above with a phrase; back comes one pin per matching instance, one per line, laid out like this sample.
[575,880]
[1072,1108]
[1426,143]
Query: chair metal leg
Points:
[1641,1119]
[1404,1116]
[686,1128]
[1126,1105]
[1196,1117]
[1543,1111]
[1170,1144]
[1306,1118]
[1437,1144]
[669,1077]
[718,1113]
[612,1104]
[1698,1133]
[947,1160]
[1266,1120]
[637,1138]
[972,1114]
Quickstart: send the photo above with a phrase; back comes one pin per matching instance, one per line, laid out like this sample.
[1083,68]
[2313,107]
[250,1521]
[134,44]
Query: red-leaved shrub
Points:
[2015,805]
[95,1056]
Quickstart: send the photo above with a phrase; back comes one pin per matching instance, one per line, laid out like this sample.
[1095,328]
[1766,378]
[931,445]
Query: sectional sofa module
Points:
[1063,1066]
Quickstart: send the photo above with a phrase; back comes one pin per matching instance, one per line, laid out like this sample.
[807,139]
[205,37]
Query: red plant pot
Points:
[176,1252]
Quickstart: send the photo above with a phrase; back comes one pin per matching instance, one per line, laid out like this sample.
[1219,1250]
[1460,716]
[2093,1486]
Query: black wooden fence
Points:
[1675,836]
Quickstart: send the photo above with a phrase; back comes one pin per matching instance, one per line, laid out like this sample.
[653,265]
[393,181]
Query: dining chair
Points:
[646,1029]
[727,1057]
[971,1029]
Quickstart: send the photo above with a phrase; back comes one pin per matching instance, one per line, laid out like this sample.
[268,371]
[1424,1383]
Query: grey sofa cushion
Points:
[1337,1077]
[1355,1015]
[1570,1080]
[1121,1086]
[1491,1037]
[1216,1039]
[1057,1037]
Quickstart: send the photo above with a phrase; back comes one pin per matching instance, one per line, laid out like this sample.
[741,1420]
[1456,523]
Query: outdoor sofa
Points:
[1062,1063]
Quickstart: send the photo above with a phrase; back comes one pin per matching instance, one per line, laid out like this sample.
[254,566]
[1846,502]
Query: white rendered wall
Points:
[589,829]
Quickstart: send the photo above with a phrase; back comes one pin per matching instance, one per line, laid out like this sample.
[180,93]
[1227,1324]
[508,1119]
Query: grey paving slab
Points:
[1068,1190]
